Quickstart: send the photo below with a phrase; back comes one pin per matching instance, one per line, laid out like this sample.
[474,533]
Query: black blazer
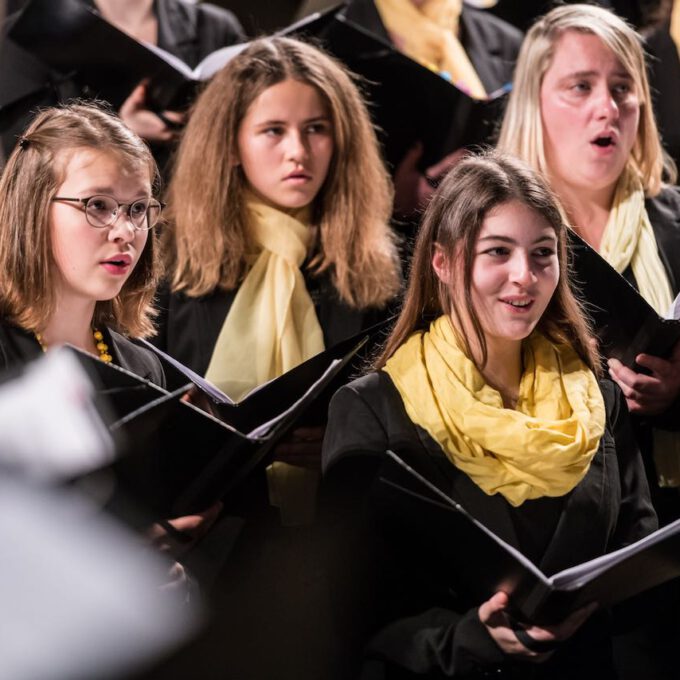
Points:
[424,623]
[18,346]
[188,327]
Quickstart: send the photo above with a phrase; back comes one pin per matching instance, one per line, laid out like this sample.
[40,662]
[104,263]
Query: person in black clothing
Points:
[184,29]
[486,386]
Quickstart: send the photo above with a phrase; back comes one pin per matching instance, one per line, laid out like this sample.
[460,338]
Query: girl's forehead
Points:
[87,163]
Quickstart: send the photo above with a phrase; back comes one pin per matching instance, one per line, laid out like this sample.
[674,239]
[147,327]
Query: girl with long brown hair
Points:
[278,243]
[488,386]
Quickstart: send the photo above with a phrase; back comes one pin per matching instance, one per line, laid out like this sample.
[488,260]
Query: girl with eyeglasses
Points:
[79,262]
[78,257]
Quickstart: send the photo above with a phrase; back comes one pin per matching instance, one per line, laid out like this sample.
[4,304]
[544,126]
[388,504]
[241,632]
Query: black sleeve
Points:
[637,517]
[418,631]
[217,27]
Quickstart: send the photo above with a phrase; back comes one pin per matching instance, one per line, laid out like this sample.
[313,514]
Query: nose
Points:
[606,105]
[521,270]
[122,230]
[296,146]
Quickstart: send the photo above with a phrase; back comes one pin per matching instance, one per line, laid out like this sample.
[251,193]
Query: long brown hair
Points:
[522,128]
[30,179]
[452,222]
[208,237]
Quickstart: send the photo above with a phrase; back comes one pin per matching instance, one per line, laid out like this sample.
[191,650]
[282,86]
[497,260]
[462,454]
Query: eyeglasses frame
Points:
[127,206]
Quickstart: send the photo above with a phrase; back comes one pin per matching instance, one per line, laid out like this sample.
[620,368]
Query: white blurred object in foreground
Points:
[49,427]
[80,595]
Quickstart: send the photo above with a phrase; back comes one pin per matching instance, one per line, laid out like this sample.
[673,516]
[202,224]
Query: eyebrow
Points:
[507,239]
[587,74]
[313,119]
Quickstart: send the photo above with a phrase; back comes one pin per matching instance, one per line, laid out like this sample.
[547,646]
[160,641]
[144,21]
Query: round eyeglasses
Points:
[104,211]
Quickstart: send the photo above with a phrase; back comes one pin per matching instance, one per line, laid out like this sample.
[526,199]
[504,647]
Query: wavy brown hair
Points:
[452,222]
[31,177]
[522,127]
[208,237]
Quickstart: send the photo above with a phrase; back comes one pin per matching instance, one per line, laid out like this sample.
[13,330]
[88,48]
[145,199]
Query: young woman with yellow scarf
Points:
[488,386]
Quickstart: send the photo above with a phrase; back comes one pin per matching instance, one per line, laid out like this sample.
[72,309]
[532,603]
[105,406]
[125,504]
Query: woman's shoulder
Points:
[493,32]
[137,359]
[665,206]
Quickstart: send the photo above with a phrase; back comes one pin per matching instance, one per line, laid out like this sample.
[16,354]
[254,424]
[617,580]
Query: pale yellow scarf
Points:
[272,325]
[628,239]
[427,32]
[543,448]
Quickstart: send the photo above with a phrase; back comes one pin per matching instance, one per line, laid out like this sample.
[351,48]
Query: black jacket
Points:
[188,327]
[424,623]
[18,346]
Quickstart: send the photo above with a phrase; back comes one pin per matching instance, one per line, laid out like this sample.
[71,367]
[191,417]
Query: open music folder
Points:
[73,38]
[625,323]
[181,458]
[489,564]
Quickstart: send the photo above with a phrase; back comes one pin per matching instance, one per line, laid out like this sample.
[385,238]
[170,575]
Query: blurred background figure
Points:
[663,43]
[184,29]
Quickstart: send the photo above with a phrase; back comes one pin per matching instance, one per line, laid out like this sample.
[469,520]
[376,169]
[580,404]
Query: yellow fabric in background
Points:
[428,34]
[542,448]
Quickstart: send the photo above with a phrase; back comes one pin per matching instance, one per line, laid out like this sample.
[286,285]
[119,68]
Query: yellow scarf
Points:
[428,34]
[272,325]
[628,239]
[543,448]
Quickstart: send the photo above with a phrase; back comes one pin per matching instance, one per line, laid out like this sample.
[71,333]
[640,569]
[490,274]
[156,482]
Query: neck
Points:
[587,211]
[503,368]
[135,17]
[71,324]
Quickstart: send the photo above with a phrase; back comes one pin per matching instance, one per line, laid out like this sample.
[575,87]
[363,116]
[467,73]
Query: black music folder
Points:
[73,38]
[180,458]
[489,564]
[408,102]
[625,323]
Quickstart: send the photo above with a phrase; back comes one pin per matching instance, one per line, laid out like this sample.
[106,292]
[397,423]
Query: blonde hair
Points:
[208,237]
[522,128]
[452,221]
[30,179]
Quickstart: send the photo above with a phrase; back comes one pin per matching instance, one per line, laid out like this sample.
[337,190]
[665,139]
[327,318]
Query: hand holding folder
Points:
[73,38]
[534,597]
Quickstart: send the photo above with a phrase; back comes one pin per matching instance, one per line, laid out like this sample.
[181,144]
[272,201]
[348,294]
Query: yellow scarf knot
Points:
[542,448]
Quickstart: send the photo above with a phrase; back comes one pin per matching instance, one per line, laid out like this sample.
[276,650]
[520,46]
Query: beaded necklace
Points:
[102,347]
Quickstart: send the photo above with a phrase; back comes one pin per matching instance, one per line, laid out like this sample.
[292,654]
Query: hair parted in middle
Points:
[452,222]
[208,237]
[31,178]
[521,131]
